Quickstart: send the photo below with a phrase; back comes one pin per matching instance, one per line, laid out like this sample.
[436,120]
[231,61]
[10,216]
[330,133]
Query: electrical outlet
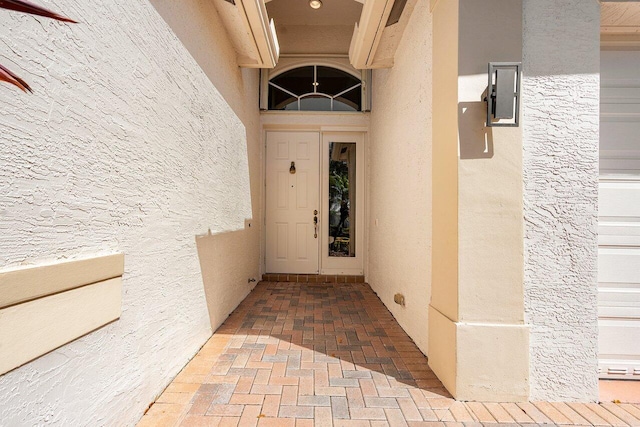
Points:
[399,299]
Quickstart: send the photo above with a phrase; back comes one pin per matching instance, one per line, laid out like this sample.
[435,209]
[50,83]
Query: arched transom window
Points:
[315,88]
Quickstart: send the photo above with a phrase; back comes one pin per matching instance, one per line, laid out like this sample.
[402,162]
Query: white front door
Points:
[293,202]
[619,215]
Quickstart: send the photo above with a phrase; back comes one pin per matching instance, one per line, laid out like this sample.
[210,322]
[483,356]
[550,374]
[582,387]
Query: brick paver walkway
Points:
[297,354]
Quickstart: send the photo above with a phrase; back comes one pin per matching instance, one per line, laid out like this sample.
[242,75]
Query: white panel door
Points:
[293,184]
[619,215]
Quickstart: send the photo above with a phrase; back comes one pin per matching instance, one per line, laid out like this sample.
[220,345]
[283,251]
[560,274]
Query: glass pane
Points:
[350,101]
[298,80]
[279,100]
[340,105]
[342,199]
[315,103]
[333,81]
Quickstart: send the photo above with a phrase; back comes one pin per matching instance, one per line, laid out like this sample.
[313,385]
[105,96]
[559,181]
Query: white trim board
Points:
[27,283]
[44,307]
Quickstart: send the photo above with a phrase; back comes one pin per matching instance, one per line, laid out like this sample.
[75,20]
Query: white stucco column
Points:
[560,125]
[478,341]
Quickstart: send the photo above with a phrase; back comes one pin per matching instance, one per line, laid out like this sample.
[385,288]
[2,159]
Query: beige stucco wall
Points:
[140,136]
[489,170]
[477,315]
[399,184]
[444,297]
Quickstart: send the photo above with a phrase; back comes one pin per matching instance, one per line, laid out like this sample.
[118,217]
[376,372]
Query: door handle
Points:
[315,224]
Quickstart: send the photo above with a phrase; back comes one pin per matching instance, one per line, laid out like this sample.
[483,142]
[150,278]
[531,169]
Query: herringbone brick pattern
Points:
[302,354]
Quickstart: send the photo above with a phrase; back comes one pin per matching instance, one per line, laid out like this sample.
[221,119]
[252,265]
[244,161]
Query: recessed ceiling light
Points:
[315,4]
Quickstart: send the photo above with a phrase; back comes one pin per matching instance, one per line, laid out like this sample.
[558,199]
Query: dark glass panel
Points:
[298,80]
[279,100]
[342,198]
[353,99]
[333,81]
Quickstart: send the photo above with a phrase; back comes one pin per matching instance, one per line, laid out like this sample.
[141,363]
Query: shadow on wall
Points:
[476,140]
[228,261]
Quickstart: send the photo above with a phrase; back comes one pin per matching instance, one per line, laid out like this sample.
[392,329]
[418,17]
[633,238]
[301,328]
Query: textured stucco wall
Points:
[399,185]
[128,146]
[560,130]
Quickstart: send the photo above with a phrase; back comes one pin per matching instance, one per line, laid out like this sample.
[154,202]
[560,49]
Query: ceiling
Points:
[621,14]
[298,12]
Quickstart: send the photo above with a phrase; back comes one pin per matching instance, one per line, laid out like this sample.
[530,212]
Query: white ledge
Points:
[46,306]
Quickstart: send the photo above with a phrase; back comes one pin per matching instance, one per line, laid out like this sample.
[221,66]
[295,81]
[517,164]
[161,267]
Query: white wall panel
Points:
[619,211]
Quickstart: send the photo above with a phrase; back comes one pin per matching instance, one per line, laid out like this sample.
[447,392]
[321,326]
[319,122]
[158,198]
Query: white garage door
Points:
[619,222]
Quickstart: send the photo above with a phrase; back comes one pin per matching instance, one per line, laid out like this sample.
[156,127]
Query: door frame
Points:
[322,123]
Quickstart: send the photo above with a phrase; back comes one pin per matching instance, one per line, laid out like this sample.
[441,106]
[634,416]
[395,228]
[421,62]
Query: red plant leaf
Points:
[34,9]
[7,76]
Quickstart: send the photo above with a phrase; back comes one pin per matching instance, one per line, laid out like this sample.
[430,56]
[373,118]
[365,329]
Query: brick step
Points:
[312,278]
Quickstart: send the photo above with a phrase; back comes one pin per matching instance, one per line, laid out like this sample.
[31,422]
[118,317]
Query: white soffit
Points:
[375,38]
[251,32]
